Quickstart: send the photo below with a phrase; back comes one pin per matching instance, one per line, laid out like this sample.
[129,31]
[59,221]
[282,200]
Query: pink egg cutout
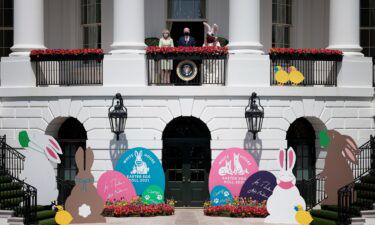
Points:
[231,169]
[114,186]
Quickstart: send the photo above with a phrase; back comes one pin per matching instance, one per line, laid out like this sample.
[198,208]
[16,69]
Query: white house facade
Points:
[202,119]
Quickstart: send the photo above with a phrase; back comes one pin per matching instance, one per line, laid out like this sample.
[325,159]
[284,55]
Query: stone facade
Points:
[224,116]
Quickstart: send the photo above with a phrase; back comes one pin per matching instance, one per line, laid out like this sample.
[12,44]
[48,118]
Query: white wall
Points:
[107,25]
[62,24]
[224,116]
[309,30]
[155,17]
[218,12]
[310,27]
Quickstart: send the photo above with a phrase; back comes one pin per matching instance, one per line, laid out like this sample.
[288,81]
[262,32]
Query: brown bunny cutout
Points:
[337,171]
[84,203]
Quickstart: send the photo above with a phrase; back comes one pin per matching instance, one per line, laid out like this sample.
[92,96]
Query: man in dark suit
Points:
[186,40]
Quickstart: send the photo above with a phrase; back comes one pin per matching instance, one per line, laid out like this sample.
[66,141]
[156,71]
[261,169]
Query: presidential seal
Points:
[187,70]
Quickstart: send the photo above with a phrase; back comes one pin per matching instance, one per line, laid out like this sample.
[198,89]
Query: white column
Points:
[244,26]
[28,26]
[128,26]
[344,26]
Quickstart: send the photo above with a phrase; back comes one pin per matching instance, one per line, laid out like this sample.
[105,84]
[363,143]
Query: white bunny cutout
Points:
[140,167]
[38,171]
[211,39]
[285,197]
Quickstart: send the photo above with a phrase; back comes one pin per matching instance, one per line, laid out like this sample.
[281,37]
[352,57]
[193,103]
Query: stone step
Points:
[358,221]
[6,213]
[15,221]
[368,214]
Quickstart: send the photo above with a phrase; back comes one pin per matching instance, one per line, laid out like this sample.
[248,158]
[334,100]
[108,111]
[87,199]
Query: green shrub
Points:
[152,41]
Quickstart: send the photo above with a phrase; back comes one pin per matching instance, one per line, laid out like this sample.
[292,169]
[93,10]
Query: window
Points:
[186,9]
[281,23]
[368,27]
[91,23]
[6,26]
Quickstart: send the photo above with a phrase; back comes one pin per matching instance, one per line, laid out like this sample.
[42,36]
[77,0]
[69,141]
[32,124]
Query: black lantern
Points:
[254,115]
[117,115]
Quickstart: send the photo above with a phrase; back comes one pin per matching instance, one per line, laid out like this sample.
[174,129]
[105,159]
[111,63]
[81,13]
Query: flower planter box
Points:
[67,55]
[305,54]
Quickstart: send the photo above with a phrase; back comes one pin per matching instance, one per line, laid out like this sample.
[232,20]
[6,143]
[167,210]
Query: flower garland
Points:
[304,51]
[68,52]
[207,50]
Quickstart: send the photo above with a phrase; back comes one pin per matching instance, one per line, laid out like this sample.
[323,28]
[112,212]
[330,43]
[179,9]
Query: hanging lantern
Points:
[117,115]
[254,115]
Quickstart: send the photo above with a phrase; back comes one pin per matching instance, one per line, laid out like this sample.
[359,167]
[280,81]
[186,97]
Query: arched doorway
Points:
[71,136]
[187,161]
[301,137]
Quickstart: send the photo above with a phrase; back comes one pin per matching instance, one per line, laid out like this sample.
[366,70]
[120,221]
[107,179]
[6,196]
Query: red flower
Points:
[83,51]
[207,50]
[304,51]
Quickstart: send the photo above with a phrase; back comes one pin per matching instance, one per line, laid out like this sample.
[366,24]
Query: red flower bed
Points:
[138,210]
[239,207]
[304,51]
[70,52]
[236,211]
[136,207]
[187,50]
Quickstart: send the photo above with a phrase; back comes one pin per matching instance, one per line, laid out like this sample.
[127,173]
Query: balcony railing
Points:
[315,69]
[187,66]
[68,70]
[350,200]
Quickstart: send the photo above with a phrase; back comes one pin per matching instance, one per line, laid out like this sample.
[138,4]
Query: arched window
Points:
[71,136]
[301,137]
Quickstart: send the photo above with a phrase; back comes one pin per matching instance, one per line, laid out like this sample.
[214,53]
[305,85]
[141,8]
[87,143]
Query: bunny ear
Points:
[291,158]
[282,159]
[350,149]
[79,159]
[215,28]
[52,155]
[208,27]
[140,153]
[135,153]
[89,158]
[55,144]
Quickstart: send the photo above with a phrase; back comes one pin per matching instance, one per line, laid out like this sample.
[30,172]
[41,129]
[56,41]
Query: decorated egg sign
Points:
[259,186]
[153,195]
[231,169]
[220,195]
[114,186]
[142,168]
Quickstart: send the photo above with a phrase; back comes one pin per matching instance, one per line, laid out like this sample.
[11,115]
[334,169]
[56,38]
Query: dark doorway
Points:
[196,31]
[187,161]
[301,137]
[71,136]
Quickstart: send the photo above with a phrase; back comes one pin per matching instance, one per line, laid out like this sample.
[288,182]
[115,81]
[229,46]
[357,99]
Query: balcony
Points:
[316,67]
[68,67]
[186,66]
